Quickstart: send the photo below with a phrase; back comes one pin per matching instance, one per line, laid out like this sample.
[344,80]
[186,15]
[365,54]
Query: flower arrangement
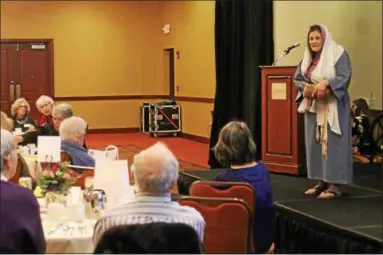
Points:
[55,177]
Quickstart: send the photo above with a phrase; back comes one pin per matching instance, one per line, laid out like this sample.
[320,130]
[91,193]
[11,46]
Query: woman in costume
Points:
[322,80]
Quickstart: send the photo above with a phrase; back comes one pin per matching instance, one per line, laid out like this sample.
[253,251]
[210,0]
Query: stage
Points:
[351,224]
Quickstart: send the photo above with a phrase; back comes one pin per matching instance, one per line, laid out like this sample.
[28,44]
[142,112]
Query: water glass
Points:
[26,182]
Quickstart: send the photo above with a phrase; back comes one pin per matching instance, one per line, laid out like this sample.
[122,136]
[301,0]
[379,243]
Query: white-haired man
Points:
[72,133]
[60,112]
[155,172]
[20,223]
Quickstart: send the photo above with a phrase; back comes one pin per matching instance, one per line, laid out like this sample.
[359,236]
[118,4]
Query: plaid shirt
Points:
[147,209]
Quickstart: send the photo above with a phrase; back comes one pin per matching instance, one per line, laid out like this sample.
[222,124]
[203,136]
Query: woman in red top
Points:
[45,105]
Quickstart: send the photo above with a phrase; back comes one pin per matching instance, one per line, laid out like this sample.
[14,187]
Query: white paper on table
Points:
[76,212]
[18,131]
[48,148]
[112,176]
[75,193]
[31,149]
[24,150]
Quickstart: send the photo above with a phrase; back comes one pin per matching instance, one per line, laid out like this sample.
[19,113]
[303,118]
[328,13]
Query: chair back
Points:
[156,237]
[82,177]
[241,190]
[228,223]
[111,152]
[65,157]
[19,167]
[81,180]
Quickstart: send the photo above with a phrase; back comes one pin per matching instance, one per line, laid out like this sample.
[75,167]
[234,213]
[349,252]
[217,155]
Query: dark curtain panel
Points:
[243,42]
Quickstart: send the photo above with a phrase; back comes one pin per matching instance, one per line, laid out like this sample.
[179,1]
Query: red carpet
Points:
[191,155]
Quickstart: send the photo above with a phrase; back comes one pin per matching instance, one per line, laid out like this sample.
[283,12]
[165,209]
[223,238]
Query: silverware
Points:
[55,229]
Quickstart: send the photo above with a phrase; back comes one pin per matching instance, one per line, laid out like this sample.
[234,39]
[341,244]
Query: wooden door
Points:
[168,71]
[30,72]
[34,74]
[7,73]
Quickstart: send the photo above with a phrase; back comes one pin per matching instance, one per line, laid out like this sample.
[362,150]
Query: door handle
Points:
[12,92]
[18,91]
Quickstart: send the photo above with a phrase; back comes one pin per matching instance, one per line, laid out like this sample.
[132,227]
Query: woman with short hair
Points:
[236,150]
[45,105]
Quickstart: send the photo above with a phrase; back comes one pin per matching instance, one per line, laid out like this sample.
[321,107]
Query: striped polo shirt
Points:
[148,208]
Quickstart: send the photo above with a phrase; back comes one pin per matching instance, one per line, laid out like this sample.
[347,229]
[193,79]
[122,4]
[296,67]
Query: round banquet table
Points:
[59,240]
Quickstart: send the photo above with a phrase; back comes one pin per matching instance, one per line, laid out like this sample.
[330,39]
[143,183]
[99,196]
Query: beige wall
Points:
[100,49]
[192,35]
[356,25]
[115,48]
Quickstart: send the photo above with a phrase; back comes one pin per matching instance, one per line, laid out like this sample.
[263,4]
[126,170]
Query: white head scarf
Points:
[329,55]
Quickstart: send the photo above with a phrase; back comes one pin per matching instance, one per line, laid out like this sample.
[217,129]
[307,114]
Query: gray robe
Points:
[337,167]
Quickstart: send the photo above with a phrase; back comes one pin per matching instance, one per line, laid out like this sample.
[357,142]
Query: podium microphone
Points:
[287,51]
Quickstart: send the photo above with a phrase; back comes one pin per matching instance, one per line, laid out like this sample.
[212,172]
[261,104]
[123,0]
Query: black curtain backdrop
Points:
[243,42]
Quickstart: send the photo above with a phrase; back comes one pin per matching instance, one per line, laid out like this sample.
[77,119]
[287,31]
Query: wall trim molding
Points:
[134,97]
[112,97]
[195,99]
[113,130]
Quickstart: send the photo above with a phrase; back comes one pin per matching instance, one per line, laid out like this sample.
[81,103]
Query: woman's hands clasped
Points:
[320,89]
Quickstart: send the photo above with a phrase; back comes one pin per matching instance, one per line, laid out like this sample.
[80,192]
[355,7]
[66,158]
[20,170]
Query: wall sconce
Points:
[167,29]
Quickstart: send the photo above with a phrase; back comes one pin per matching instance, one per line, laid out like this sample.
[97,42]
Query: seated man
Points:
[72,133]
[155,172]
[60,112]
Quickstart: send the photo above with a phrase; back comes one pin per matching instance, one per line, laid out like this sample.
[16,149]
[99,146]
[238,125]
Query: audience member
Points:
[72,133]
[155,172]
[236,150]
[361,129]
[45,106]
[22,123]
[20,223]
[6,123]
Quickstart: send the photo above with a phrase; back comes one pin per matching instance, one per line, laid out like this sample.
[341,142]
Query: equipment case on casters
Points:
[164,119]
[145,117]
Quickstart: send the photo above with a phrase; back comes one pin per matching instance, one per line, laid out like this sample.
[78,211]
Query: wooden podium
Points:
[283,148]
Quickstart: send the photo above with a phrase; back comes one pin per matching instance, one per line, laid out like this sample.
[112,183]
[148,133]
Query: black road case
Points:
[145,117]
[165,119]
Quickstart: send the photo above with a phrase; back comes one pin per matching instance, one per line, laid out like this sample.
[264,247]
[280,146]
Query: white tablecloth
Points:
[68,237]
